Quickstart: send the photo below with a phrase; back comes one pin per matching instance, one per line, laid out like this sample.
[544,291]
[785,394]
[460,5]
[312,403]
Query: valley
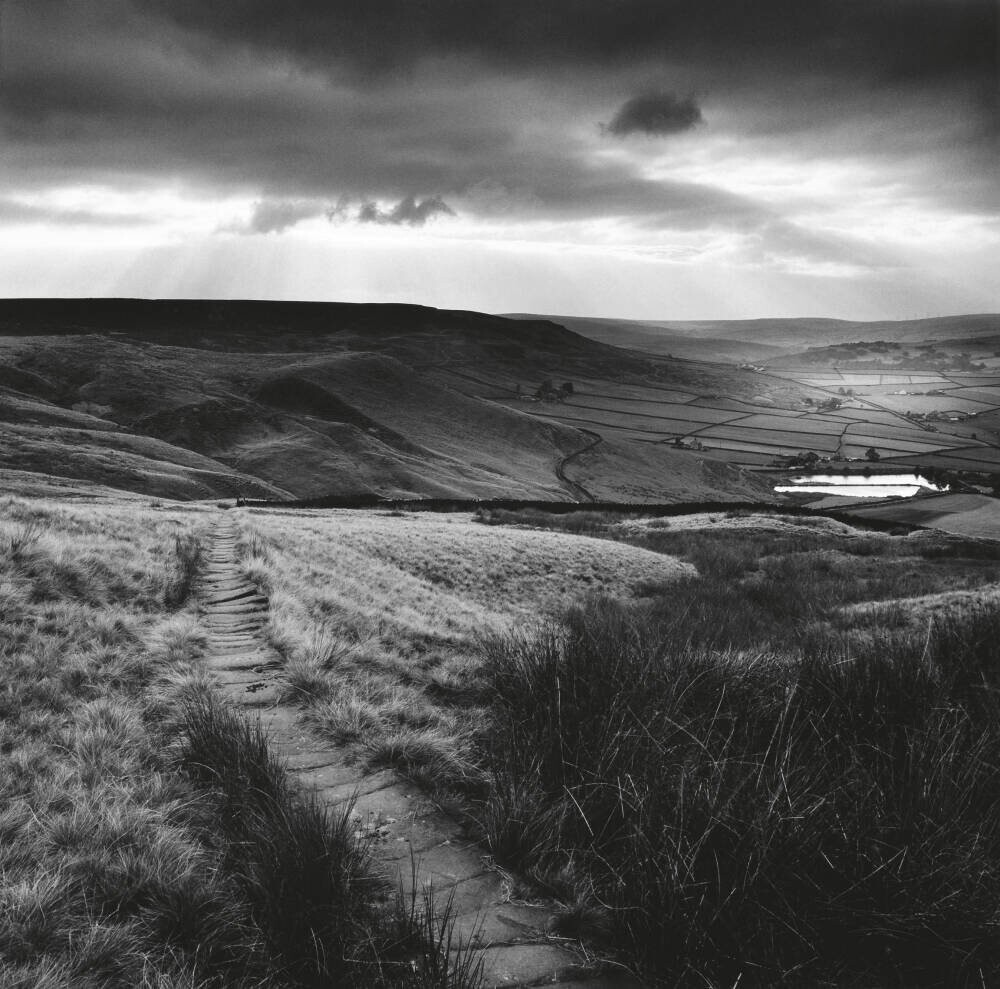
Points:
[300,400]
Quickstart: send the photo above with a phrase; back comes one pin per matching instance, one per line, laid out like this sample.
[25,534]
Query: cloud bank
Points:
[819,128]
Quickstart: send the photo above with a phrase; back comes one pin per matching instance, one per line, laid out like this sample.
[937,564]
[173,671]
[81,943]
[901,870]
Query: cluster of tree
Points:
[548,391]
[827,405]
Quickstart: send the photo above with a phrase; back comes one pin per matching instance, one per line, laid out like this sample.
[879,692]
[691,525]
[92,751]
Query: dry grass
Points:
[105,881]
[761,776]
[147,837]
[681,767]
[379,618]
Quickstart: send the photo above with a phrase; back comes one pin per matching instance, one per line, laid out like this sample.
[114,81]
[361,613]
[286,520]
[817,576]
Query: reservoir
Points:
[859,486]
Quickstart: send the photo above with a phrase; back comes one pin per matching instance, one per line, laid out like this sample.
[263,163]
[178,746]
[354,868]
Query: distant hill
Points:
[200,399]
[761,339]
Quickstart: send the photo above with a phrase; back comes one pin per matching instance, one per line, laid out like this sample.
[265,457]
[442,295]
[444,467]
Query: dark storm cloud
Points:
[655,114]
[889,38]
[92,107]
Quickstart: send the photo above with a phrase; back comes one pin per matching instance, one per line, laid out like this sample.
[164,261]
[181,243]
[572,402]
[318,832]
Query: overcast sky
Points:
[639,158]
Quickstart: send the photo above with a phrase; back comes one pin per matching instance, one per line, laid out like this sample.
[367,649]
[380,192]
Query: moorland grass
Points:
[743,779]
[101,861]
[377,619]
[147,836]
[729,778]
[826,815]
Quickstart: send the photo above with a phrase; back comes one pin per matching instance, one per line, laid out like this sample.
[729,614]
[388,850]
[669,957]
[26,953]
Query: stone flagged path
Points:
[401,822]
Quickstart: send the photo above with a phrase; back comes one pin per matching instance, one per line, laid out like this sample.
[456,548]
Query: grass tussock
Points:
[305,874]
[740,817]
[188,553]
[300,868]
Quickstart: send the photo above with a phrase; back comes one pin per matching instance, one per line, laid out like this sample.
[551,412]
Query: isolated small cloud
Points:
[409,211]
[655,114]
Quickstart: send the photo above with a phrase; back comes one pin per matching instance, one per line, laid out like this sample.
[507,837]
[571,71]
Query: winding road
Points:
[578,489]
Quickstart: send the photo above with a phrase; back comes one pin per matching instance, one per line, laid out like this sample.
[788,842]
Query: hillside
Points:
[207,399]
[763,339]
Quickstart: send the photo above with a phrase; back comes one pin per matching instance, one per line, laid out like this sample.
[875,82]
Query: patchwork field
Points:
[750,434]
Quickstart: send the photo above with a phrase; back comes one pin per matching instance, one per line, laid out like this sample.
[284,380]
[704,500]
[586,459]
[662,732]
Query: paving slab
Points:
[529,965]
[373,789]
[243,605]
[251,695]
[326,775]
[232,662]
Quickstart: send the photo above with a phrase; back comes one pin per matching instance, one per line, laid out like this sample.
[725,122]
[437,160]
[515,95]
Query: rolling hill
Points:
[195,399]
[765,339]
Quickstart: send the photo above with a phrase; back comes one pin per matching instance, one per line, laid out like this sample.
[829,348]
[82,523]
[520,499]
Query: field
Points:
[755,435]
[969,515]
[927,383]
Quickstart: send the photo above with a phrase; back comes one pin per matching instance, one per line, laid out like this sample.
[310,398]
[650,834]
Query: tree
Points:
[872,454]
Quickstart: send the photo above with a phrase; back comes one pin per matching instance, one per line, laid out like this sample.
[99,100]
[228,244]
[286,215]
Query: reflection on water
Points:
[859,486]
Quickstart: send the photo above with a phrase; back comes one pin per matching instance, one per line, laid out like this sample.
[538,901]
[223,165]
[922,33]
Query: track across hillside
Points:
[578,489]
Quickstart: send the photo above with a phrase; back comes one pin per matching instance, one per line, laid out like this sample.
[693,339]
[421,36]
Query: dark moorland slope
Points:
[192,399]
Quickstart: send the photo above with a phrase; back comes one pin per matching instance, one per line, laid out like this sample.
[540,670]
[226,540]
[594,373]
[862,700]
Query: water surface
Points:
[859,486]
